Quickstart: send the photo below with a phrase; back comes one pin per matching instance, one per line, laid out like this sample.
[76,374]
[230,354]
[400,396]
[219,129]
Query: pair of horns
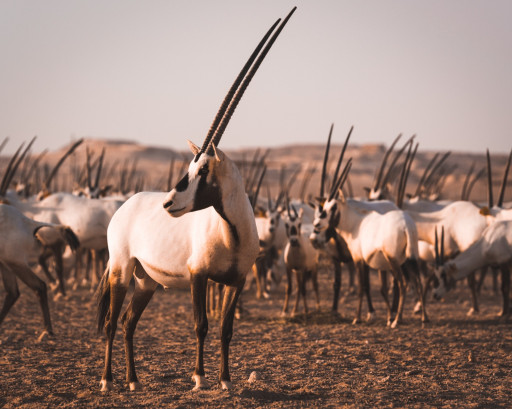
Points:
[439,248]
[13,165]
[336,181]
[404,175]
[238,88]
[503,183]
[429,172]
[288,206]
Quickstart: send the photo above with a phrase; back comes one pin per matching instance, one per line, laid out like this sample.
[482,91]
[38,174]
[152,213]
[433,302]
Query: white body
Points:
[494,248]
[169,248]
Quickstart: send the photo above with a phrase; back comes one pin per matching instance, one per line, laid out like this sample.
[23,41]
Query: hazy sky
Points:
[156,71]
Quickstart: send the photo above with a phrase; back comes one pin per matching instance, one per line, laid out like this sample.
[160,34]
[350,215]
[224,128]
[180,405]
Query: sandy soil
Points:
[318,361]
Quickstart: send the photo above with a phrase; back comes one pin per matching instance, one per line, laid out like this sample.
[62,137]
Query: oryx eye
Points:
[203,170]
[323,215]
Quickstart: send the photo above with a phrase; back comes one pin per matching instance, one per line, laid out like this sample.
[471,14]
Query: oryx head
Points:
[326,219]
[201,186]
[293,224]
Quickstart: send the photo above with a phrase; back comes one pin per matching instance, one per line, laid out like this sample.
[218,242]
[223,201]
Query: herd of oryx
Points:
[210,228]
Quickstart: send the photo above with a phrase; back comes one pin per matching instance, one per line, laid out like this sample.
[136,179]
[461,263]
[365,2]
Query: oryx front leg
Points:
[336,285]
[198,284]
[288,290]
[231,295]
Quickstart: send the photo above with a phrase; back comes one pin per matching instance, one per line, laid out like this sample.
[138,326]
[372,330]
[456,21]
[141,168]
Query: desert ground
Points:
[318,360]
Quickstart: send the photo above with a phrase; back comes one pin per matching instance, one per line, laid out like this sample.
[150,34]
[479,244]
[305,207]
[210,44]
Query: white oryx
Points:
[21,243]
[203,229]
[385,242]
[494,249]
[301,258]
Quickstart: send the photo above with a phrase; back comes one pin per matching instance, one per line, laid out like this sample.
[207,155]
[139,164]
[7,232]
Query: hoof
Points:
[135,386]
[44,336]
[226,385]
[106,386]
[53,286]
[417,308]
[57,297]
[369,317]
[201,383]
[355,321]
[394,324]
[472,312]
[266,295]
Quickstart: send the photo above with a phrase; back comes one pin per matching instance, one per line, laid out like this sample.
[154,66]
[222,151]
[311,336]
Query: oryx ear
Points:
[341,196]
[193,147]
[219,156]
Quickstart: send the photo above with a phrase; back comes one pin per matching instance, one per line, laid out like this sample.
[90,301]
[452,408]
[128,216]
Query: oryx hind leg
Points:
[231,296]
[11,289]
[145,287]
[25,274]
[397,274]
[505,290]
[475,309]
[114,286]
[384,290]
[412,268]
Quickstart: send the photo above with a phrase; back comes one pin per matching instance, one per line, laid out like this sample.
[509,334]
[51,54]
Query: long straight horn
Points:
[11,172]
[340,159]
[436,248]
[504,182]
[4,142]
[425,173]
[100,167]
[466,181]
[324,165]
[269,199]
[7,172]
[257,192]
[405,175]
[88,166]
[441,256]
[429,180]
[472,183]
[383,164]
[245,83]
[386,177]
[341,181]
[60,162]
[489,180]
[227,100]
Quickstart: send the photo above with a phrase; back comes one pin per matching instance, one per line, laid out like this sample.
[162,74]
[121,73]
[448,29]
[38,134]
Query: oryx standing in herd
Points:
[203,229]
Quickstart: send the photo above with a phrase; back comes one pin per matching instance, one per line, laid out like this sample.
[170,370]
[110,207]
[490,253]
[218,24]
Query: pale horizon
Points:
[156,72]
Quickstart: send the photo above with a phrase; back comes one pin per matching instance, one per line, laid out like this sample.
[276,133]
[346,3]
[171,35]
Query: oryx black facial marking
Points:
[182,184]
[210,194]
